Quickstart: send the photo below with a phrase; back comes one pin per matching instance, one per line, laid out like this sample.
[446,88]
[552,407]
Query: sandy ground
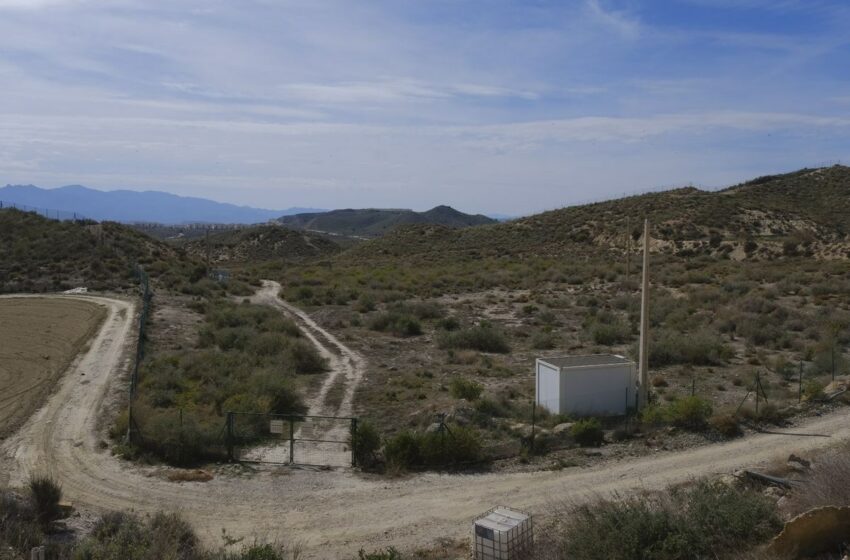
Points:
[39,337]
[334,513]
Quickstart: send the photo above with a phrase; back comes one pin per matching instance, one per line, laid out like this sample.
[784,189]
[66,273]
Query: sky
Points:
[495,106]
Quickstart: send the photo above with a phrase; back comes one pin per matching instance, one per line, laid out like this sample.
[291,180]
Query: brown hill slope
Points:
[805,212]
[262,243]
[38,254]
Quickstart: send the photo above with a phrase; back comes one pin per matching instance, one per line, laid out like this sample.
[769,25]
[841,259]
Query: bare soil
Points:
[40,336]
[334,513]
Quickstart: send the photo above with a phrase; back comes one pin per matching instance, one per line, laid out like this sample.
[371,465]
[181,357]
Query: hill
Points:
[805,212]
[134,206]
[373,222]
[38,254]
[261,243]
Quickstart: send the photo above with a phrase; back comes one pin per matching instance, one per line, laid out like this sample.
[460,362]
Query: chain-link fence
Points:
[291,439]
[146,296]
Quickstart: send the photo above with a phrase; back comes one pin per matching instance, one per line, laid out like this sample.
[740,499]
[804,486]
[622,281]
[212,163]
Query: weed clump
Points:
[587,432]
[705,521]
[483,338]
[461,388]
[45,493]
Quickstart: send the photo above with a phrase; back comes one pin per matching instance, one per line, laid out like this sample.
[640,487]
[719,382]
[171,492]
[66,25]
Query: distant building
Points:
[595,385]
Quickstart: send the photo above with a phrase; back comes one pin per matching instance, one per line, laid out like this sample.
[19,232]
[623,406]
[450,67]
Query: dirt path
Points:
[342,360]
[345,366]
[335,513]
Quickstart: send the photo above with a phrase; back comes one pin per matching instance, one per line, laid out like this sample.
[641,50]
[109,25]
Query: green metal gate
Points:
[285,439]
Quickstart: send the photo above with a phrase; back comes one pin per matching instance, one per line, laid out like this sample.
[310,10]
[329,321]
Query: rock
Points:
[798,463]
[818,530]
[561,428]
[773,492]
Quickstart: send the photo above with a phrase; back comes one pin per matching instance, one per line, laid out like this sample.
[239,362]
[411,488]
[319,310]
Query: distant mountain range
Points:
[374,222]
[135,206]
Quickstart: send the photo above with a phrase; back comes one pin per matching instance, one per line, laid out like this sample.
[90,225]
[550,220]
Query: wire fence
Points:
[49,213]
[146,295]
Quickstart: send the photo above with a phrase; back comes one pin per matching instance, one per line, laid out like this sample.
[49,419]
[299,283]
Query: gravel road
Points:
[333,513]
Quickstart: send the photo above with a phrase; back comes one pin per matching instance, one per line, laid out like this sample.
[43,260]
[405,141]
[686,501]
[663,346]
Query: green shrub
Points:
[126,536]
[305,358]
[609,334]
[587,432]
[482,338]
[691,412]
[366,442]
[813,390]
[544,341]
[459,445]
[403,450]
[398,324]
[450,323]
[45,495]
[455,445]
[700,348]
[708,520]
[388,554]
[461,388]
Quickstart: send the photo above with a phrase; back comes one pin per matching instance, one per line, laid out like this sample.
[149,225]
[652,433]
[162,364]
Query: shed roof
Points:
[592,360]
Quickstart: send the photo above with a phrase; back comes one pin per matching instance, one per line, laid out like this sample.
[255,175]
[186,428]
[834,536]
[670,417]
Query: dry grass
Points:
[826,484]
[195,475]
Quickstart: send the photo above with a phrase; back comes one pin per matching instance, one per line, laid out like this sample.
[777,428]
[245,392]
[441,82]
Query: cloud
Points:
[394,90]
[619,20]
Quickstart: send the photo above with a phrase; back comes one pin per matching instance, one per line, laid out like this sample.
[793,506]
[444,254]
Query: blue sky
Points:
[487,105]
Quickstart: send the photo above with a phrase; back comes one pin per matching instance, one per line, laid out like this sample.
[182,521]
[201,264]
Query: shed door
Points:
[548,388]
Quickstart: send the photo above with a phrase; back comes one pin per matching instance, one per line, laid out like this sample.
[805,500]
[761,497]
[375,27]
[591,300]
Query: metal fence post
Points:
[229,437]
[291,440]
[354,442]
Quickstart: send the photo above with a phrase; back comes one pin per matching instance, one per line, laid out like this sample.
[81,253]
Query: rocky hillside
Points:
[373,222]
[261,243]
[806,212]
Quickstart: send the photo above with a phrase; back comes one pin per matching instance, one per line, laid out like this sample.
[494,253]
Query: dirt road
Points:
[335,513]
[345,367]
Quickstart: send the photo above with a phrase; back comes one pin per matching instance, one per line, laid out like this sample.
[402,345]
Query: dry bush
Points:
[196,475]
[827,484]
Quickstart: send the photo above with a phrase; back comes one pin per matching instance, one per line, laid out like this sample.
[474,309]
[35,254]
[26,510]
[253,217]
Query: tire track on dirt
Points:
[333,513]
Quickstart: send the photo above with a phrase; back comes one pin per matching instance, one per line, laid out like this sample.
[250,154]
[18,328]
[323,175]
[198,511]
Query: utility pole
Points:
[628,248]
[644,322]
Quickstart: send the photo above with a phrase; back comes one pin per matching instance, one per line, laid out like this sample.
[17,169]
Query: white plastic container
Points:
[502,534]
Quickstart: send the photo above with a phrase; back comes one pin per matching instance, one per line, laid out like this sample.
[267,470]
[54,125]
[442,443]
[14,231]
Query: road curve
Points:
[334,513]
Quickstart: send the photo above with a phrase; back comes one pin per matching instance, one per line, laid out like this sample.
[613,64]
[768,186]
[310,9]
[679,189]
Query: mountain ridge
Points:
[374,222]
[129,206]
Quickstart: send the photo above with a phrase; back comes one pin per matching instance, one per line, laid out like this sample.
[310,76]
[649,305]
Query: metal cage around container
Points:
[502,534]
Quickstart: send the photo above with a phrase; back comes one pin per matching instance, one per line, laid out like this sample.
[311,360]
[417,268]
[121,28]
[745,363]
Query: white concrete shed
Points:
[595,385]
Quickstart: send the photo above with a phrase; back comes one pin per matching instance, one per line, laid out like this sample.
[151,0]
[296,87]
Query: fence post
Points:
[229,437]
[533,423]
[291,440]
[758,386]
[800,385]
[354,442]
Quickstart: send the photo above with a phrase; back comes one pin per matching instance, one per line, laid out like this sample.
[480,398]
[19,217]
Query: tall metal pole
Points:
[644,322]
[628,248]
